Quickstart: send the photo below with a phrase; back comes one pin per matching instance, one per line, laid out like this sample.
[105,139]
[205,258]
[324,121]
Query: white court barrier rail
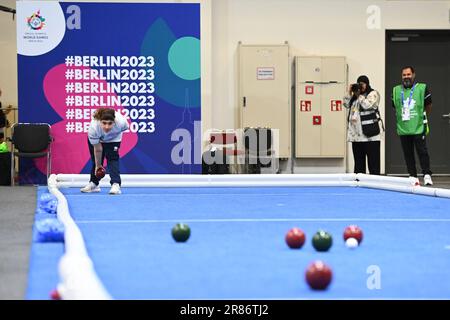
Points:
[443,193]
[200,184]
[384,179]
[224,177]
[398,184]
[78,280]
[386,186]
[245,180]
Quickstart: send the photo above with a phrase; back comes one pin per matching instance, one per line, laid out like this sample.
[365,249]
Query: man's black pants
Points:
[418,142]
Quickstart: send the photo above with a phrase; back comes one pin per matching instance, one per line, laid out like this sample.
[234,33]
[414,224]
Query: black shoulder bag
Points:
[369,122]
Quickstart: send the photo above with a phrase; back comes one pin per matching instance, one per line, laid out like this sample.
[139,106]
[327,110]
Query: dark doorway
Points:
[429,52]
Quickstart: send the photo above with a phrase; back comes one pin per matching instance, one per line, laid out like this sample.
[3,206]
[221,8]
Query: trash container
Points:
[5,168]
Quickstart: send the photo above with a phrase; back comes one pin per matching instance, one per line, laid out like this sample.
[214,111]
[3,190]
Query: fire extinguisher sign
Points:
[336,105]
[309,89]
[305,106]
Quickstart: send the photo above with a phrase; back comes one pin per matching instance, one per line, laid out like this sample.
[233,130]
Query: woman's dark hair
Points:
[105,114]
[365,80]
[369,89]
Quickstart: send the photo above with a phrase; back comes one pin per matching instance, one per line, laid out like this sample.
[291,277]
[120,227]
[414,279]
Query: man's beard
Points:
[407,82]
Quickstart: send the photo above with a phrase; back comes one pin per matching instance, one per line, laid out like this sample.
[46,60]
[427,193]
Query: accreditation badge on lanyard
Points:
[354,114]
[406,115]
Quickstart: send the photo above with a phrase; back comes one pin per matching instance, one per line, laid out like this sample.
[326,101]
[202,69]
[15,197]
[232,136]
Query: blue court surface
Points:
[237,248]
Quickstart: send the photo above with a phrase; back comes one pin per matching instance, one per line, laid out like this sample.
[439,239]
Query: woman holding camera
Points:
[363,128]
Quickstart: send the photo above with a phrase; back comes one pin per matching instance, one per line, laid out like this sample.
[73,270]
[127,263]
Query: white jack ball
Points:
[351,243]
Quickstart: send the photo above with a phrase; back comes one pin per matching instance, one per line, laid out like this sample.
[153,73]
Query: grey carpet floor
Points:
[17,207]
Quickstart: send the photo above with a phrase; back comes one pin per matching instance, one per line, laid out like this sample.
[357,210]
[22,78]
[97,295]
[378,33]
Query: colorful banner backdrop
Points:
[140,59]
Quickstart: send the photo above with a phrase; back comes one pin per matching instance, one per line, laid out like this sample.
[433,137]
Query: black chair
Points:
[259,150]
[215,161]
[30,140]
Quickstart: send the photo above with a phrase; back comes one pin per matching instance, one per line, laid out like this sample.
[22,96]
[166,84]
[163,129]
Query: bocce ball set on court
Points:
[318,274]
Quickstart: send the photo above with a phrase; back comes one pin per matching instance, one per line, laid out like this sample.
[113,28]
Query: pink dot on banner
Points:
[69,150]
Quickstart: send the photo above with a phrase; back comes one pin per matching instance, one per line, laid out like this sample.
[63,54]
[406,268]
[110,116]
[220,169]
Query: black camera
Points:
[356,88]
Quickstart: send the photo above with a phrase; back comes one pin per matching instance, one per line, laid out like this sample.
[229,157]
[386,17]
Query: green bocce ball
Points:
[322,241]
[181,232]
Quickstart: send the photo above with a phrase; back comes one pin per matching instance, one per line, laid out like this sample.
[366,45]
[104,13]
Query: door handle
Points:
[244,101]
[446,116]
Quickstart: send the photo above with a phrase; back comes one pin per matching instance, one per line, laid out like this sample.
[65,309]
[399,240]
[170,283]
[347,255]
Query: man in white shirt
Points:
[104,137]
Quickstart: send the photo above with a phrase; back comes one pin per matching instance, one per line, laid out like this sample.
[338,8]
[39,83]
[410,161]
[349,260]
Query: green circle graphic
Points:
[184,58]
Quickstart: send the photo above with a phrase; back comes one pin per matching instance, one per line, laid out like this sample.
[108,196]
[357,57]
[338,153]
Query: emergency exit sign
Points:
[305,106]
[336,105]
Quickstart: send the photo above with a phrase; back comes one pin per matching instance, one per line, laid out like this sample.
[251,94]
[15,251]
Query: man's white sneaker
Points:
[91,187]
[115,189]
[414,181]
[427,180]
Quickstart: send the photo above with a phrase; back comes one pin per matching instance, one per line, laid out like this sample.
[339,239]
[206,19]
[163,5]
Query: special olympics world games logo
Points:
[36,21]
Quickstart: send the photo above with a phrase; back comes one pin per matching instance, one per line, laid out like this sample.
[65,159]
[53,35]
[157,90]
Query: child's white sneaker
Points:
[115,189]
[91,187]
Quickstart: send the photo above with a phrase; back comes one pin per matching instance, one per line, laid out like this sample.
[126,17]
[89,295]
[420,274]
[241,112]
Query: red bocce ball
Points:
[100,173]
[295,238]
[353,232]
[318,275]
[54,295]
